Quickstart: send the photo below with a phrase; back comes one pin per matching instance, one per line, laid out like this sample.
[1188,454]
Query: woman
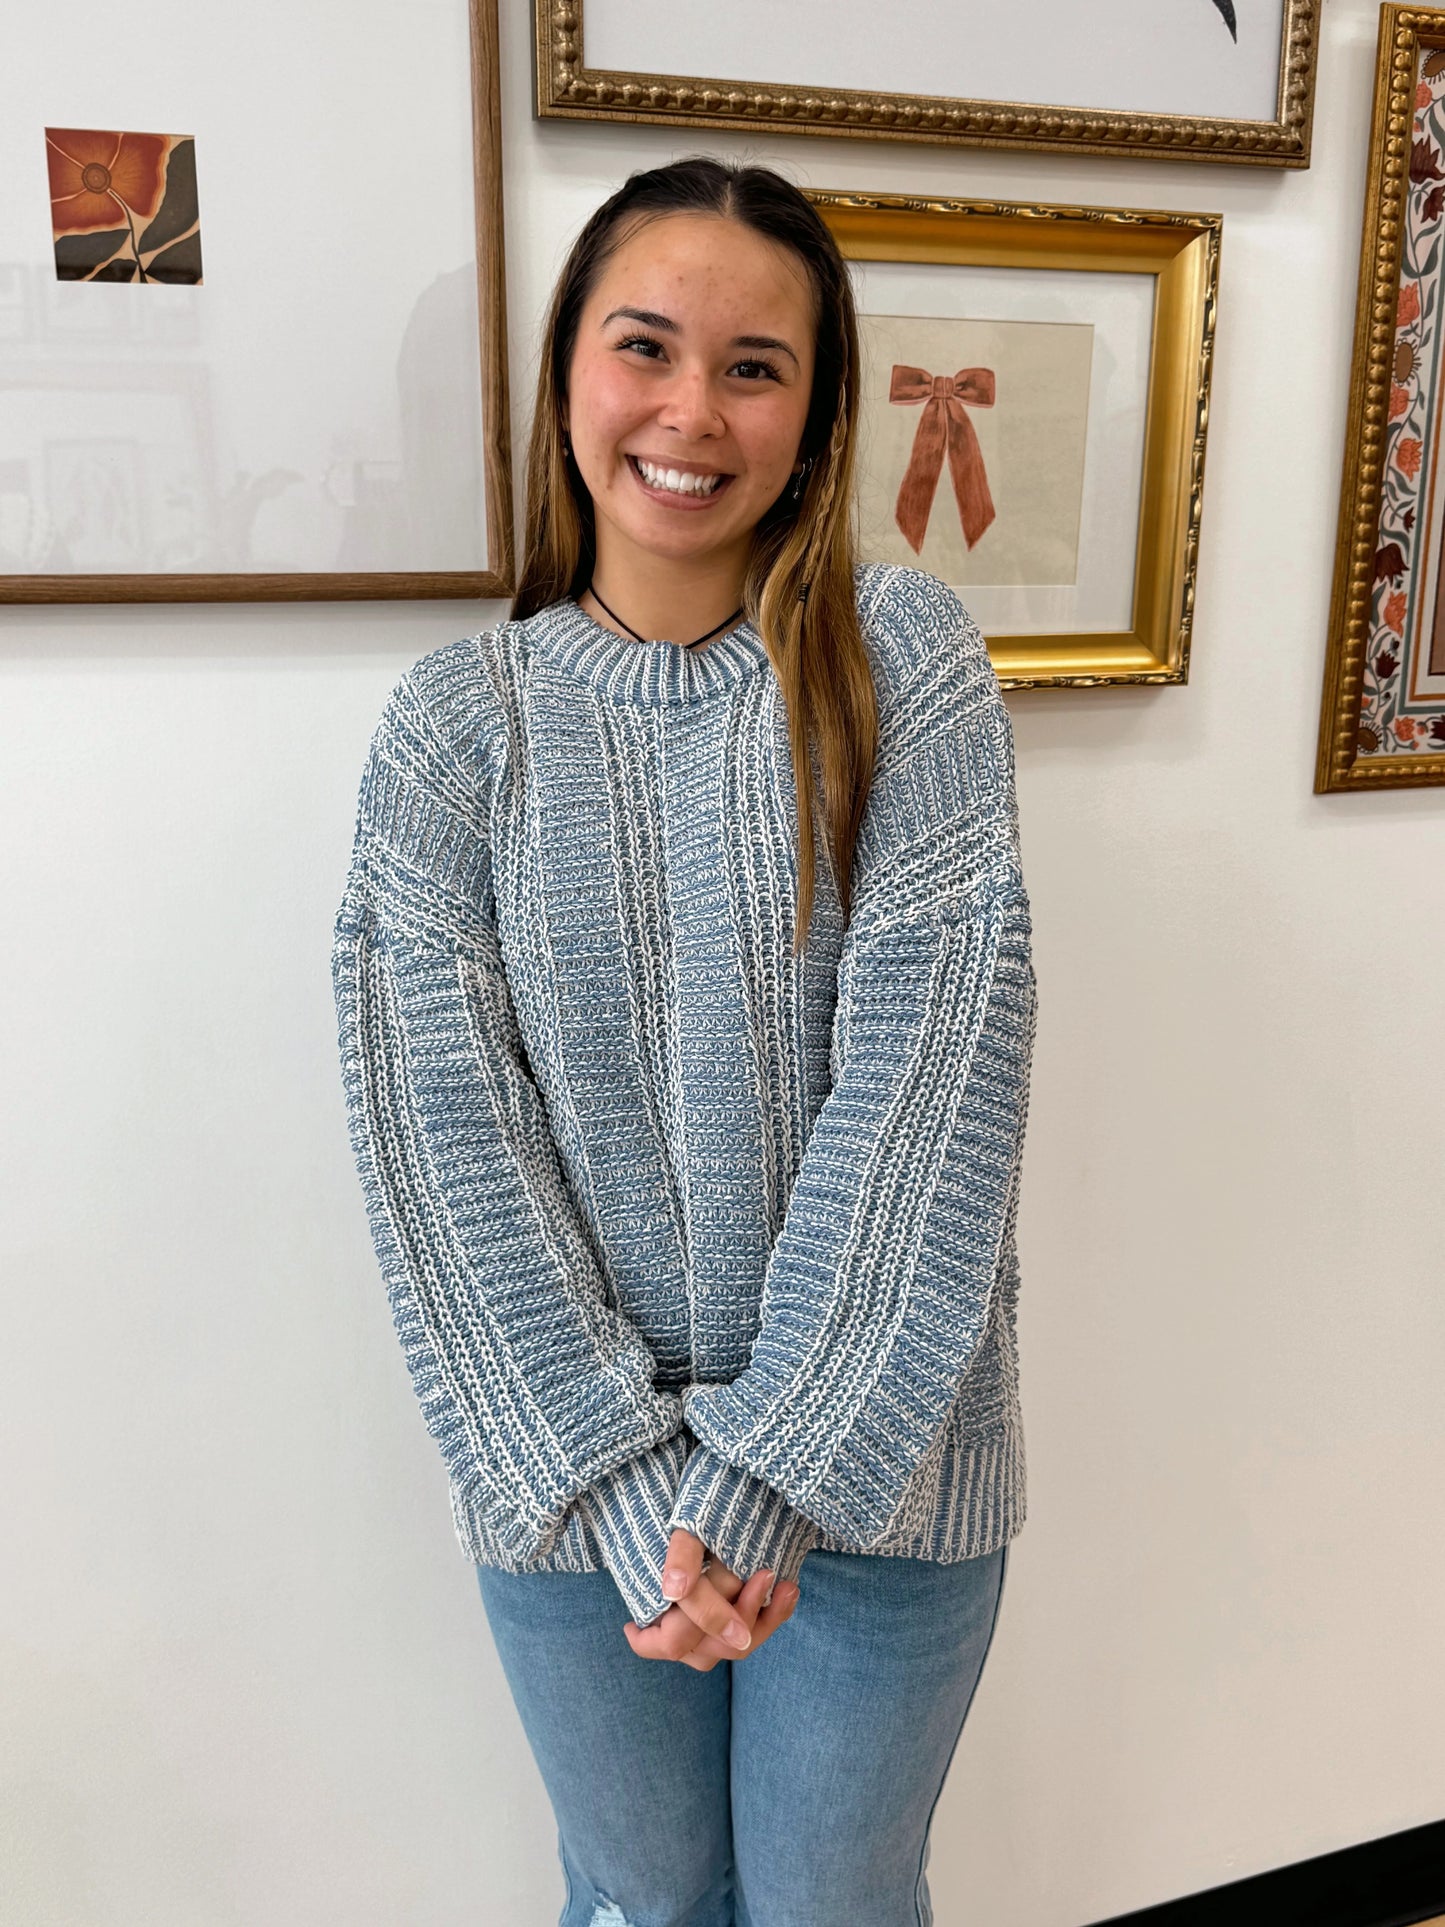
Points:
[689,1129]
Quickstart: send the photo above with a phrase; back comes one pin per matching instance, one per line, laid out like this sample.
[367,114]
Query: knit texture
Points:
[678,1229]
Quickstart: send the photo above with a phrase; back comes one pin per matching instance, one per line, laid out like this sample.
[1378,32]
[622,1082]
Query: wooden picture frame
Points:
[1382,716]
[1066,264]
[570,86]
[368,441]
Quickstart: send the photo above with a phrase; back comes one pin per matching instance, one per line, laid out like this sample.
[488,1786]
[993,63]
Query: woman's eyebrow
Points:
[764,341]
[646,316]
[650,318]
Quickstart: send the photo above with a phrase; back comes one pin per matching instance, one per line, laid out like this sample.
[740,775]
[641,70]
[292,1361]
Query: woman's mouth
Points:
[680,485]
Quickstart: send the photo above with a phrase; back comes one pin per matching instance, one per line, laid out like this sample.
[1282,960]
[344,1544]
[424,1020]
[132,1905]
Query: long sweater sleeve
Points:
[538,1393]
[879,1283]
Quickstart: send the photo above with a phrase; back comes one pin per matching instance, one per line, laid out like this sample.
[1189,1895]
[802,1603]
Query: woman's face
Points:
[689,388]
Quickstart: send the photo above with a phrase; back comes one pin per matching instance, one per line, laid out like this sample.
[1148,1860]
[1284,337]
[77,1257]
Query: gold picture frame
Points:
[1380,724]
[567,88]
[473,372]
[1181,252]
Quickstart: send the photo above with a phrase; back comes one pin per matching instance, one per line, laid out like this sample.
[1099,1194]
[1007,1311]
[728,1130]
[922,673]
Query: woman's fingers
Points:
[684,1582]
[702,1650]
[683,1564]
[712,1613]
[728,1583]
[694,1628]
[706,1654]
[678,1631]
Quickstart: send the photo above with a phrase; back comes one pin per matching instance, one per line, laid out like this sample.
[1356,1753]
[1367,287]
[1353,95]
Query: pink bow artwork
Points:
[944,425]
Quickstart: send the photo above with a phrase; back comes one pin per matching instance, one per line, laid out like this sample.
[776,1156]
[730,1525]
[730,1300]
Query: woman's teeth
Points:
[680,481]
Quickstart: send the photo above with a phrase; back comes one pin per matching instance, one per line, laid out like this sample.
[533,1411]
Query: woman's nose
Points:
[690,407]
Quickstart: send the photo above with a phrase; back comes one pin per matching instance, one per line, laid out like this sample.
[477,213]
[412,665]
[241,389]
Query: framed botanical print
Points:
[1212,80]
[252,308]
[1382,720]
[1033,420]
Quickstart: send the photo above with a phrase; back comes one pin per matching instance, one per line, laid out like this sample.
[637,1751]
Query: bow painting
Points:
[943,428]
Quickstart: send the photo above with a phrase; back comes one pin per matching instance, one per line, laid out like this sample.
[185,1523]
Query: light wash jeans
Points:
[793,1787]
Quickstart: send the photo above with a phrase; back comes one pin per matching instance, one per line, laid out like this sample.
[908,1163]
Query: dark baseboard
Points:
[1393,1882]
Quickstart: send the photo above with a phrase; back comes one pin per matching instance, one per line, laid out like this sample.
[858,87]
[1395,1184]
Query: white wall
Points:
[246,1673]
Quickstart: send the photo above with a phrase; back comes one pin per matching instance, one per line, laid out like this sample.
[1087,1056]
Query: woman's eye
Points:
[649,349]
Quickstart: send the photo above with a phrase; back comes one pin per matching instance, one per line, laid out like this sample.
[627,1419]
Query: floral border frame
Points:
[1372,735]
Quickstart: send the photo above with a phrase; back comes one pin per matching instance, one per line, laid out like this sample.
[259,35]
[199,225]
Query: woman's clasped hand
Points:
[695,1628]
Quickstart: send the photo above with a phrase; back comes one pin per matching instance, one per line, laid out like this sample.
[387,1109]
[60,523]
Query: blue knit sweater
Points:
[678,1230]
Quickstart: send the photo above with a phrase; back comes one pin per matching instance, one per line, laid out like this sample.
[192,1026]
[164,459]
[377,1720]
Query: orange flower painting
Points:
[123,207]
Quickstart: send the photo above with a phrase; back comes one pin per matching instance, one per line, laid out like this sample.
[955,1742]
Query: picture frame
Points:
[1382,712]
[1080,583]
[230,439]
[1238,86]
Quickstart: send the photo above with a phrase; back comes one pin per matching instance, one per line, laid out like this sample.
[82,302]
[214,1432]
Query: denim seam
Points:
[567,1876]
[968,1707]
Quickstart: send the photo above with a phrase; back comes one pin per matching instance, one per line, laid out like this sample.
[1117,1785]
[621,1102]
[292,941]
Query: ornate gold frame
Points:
[1339,766]
[1182,252]
[329,586]
[568,89]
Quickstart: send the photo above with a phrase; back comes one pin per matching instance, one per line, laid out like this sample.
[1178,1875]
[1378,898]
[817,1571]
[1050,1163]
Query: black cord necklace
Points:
[727,623]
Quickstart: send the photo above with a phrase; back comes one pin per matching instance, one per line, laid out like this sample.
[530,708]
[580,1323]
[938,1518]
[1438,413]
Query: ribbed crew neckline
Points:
[653,673]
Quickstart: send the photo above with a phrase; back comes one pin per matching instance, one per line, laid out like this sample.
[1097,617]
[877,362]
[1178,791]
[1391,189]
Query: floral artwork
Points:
[123,206]
[1402,709]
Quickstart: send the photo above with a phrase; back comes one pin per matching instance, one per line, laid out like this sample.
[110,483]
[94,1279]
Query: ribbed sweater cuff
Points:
[740,1519]
[628,1510]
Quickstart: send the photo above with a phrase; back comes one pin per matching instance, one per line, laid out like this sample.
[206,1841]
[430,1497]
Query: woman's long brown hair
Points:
[799,592]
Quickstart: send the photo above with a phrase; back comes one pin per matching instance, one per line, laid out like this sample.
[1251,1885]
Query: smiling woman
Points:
[704,328]
[686,409]
[692,1165]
